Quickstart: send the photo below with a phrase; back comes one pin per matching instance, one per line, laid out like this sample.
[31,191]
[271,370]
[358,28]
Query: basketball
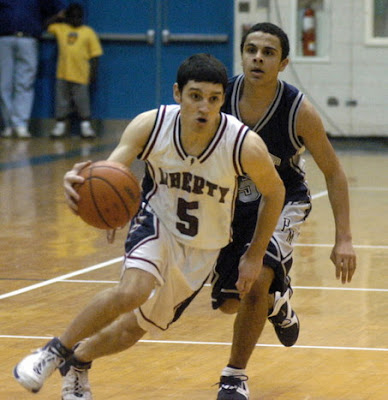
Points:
[110,195]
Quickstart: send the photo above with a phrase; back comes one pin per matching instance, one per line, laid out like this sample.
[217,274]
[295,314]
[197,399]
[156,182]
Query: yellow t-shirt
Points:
[76,46]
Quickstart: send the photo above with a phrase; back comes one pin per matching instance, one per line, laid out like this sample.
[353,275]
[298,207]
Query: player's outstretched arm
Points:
[311,129]
[259,166]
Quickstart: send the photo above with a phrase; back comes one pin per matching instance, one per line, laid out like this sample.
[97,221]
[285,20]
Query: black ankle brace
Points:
[80,364]
[56,345]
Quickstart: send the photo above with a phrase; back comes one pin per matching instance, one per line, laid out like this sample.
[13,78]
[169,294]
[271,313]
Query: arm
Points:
[311,129]
[60,17]
[134,138]
[259,166]
[130,145]
[95,51]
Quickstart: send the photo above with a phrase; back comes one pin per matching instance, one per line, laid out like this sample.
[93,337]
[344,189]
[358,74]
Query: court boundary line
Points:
[356,246]
[61,278]
[184,342]
[64,277]
[356,289]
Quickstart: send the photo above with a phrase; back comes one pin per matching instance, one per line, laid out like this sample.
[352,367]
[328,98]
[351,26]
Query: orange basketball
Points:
[110,195]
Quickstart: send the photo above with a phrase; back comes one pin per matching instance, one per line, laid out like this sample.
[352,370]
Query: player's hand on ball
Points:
[71,177]
[109,195]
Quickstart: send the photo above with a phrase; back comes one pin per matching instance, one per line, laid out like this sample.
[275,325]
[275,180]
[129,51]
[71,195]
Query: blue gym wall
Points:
[144,41]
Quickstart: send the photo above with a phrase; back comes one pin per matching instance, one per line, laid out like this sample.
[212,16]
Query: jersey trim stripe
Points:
[153,190]
[272,108]
[206,153]
[154,133]
[292,121]
[238,148]
[178,309]
[177,137]
[237,88]
[235,97]
[154,236]
[144,260]
[214,142]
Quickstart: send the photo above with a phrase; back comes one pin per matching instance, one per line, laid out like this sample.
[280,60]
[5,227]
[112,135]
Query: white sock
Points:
[228,371]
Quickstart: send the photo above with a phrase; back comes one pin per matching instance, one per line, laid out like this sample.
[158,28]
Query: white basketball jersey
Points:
[193,196]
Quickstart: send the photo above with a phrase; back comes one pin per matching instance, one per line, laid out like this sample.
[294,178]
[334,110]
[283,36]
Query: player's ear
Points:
[177,93]
[283,64]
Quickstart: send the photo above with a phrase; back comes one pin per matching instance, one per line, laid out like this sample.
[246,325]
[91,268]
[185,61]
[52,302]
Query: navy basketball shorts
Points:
[180,271]
[278,255]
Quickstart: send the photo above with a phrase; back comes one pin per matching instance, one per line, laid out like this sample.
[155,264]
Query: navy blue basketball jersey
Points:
[277,128]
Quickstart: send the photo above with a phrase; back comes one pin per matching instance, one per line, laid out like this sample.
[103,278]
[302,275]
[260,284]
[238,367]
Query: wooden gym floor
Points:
[52,264]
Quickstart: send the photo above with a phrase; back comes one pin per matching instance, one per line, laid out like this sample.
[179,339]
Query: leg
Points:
[62,107]
[248,325]
[6,79]
[134,289]
[250,320]
[161,310]
[120,335]
[81,99]
[260,304]
[26,66]
[62,99]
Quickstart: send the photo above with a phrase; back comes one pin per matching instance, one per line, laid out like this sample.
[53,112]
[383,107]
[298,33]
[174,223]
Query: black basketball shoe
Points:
[233,388]
[284,319]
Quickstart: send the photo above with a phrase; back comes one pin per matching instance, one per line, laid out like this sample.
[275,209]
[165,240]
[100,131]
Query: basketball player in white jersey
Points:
[194,155]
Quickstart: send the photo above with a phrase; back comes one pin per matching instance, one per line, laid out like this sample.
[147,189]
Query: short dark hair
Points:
[202,67]
[272,29]
[74,9]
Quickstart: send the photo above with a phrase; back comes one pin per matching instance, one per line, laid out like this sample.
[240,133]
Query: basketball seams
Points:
[89,180]
[119,199]
[125,173]
[122,171]
[124,203]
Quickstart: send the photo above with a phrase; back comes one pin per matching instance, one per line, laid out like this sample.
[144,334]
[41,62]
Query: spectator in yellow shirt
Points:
[78,52]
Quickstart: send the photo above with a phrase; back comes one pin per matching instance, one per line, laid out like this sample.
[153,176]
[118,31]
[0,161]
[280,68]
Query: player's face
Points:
[200,104]
[75,18]
[261,57]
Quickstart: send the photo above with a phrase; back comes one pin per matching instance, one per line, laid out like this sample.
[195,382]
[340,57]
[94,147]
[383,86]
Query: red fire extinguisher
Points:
[308,34]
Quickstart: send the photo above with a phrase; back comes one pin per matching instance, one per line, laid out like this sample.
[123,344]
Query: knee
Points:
[127,300]
[260,289]
[130,332]
[230,306]
[132,293]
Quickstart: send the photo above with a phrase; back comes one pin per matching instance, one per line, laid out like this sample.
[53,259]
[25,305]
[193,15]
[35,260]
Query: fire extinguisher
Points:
[308,34]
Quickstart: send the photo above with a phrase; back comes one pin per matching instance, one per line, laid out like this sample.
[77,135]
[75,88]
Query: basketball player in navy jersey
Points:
[287,122]
[194,155]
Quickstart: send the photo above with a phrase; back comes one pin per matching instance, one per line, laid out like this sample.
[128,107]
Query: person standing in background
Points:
[21,24]
[79,49]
